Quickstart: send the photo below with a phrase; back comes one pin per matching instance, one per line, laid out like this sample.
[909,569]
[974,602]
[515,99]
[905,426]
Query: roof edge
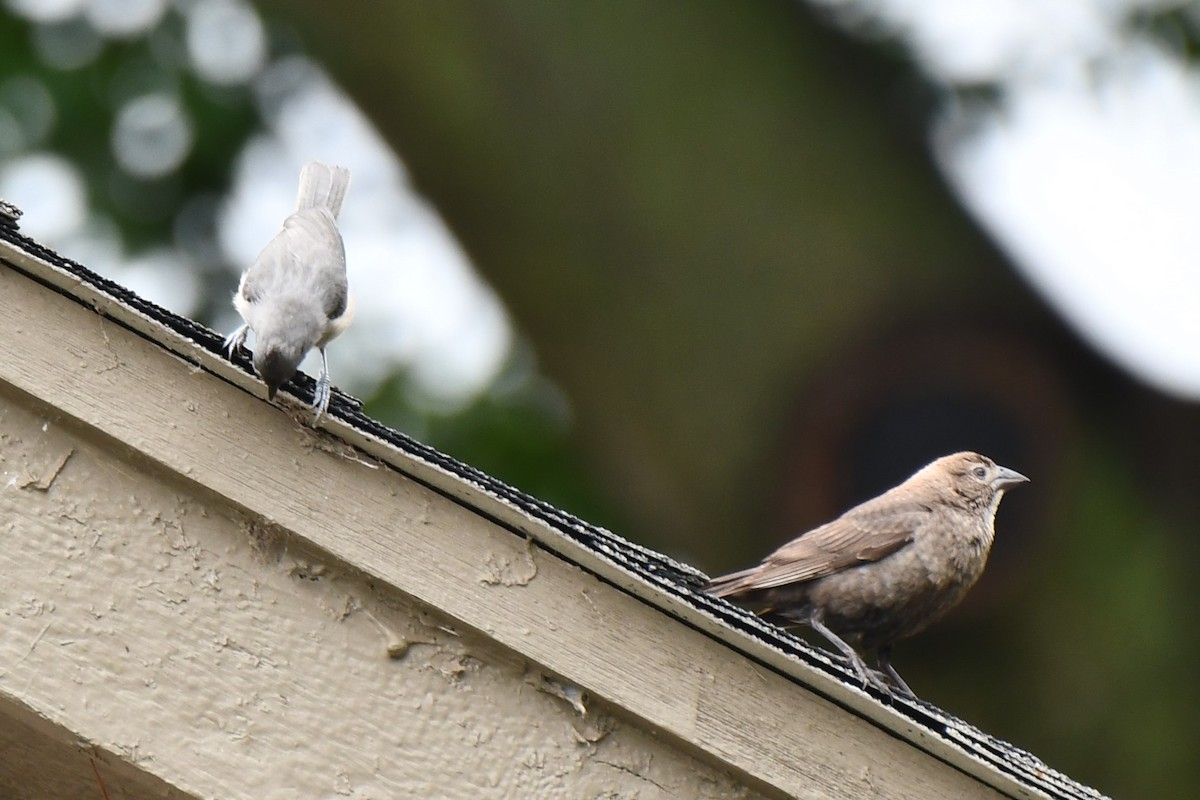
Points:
[651,577]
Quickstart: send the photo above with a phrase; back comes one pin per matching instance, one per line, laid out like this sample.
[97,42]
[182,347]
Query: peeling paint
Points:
[500,570]
[575,697]
[43,482]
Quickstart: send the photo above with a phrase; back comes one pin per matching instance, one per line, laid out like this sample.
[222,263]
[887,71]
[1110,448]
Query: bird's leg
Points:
[884,657]
[321,393]
[855,660]
[235,340]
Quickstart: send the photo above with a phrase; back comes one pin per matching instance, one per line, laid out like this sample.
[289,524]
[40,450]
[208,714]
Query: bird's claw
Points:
[235,340]
[321,397]
[869,677]
[887,680]
[892,677]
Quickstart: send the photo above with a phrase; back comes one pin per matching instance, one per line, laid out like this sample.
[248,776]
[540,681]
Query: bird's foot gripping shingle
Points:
[321,397]
[235,340]
[870,677]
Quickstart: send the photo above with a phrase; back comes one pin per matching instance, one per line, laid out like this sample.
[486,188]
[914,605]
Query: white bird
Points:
[295,295]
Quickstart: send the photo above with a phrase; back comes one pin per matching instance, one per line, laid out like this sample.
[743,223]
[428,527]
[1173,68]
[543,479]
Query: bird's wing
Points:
[333,299]
[258,279]
[318,257]
[863,534]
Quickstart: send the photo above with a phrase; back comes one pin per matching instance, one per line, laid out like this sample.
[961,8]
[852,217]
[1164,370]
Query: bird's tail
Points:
[322,186]
[731,584]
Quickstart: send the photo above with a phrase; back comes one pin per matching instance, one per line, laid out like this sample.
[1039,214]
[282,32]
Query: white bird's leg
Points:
[235,340]
[321,393]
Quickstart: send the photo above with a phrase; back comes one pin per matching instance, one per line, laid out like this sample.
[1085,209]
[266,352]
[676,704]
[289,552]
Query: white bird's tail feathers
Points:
[322,186]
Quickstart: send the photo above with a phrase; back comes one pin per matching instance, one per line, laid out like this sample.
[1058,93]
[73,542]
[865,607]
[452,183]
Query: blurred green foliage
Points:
[518,430]
[87,99]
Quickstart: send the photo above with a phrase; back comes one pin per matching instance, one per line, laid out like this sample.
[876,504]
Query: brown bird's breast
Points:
[903,593]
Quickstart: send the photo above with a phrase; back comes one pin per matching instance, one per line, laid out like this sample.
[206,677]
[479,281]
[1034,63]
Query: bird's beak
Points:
[271,390]
[1008,477]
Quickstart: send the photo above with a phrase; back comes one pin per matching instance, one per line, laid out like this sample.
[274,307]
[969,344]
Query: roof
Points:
[652,578]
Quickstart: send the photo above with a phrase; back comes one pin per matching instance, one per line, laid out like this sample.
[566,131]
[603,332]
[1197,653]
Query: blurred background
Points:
[709,273]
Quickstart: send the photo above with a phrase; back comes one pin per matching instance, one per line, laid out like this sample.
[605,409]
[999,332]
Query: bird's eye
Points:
[979,472]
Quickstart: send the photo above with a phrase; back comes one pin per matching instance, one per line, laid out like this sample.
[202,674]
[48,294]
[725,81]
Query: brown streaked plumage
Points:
[885,569]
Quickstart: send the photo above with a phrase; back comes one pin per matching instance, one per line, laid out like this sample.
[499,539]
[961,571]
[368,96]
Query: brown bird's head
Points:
[975,479]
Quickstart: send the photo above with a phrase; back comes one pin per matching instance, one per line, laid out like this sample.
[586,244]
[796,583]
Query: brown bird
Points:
[888,568]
